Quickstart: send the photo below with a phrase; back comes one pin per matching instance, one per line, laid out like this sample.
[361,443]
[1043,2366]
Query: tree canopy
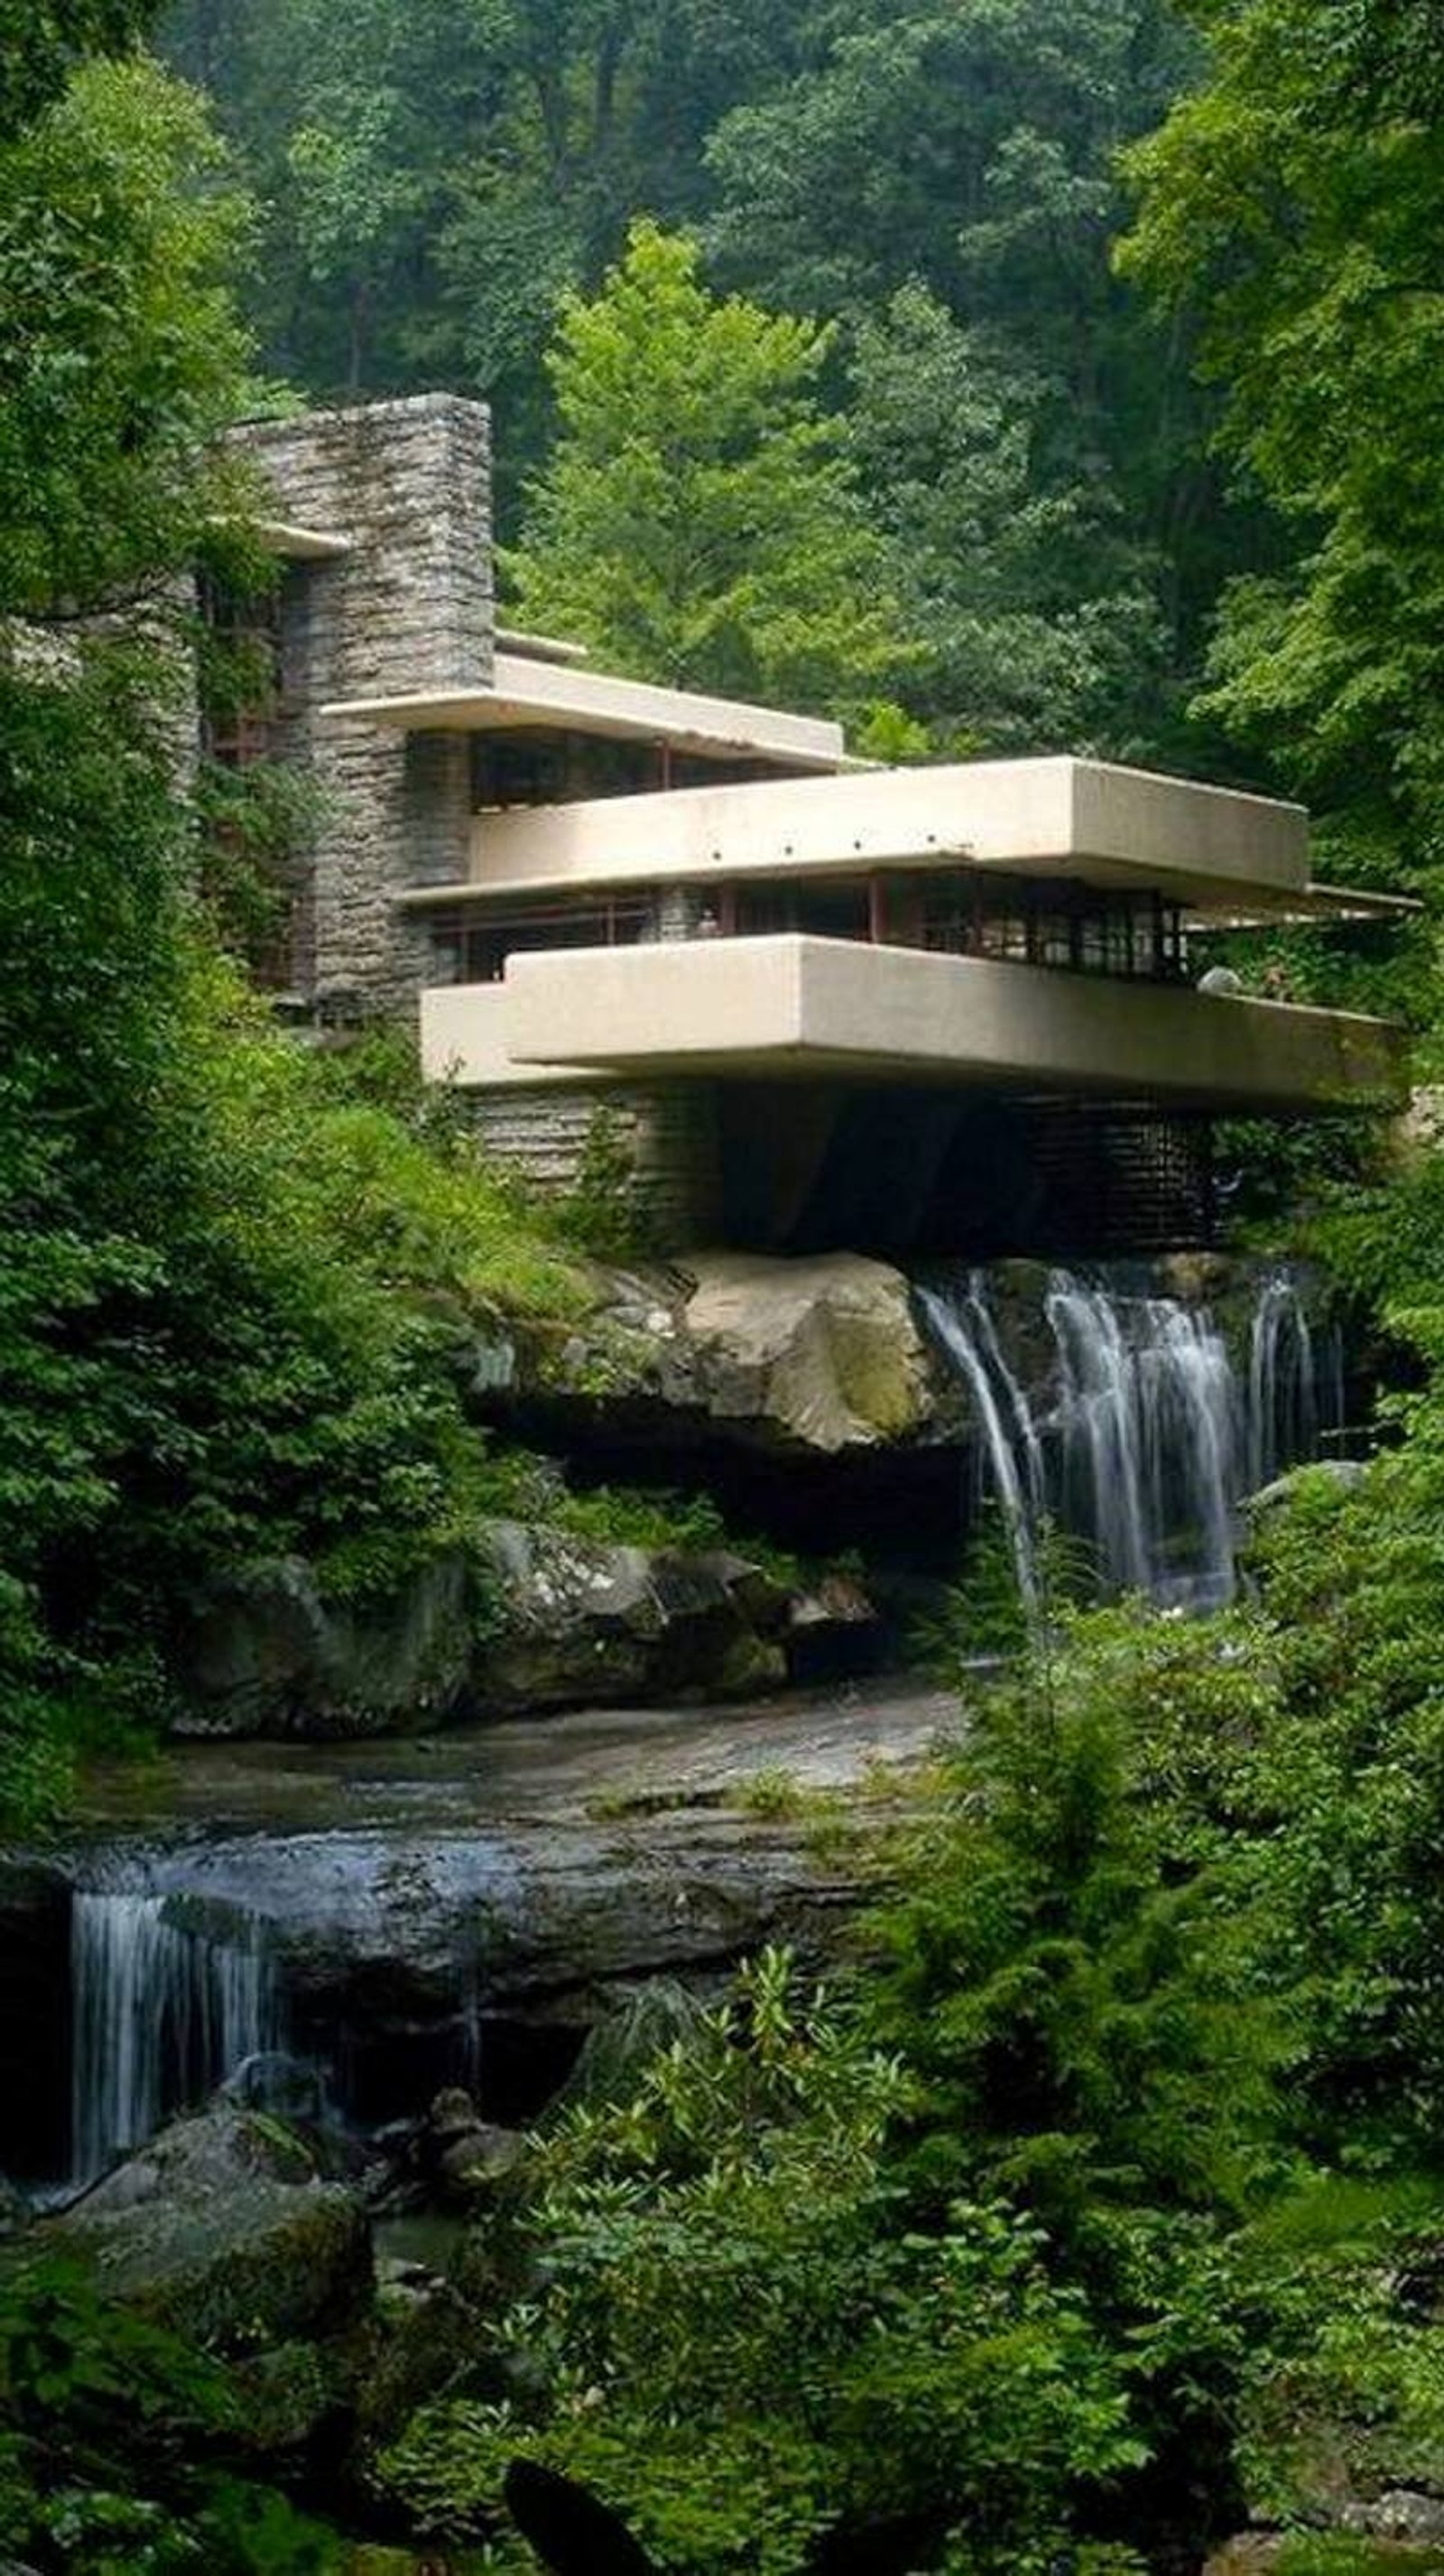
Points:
[699,519]
[1290,207]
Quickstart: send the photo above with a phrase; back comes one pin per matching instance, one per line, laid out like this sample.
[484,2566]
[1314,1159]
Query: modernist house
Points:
[942,1007]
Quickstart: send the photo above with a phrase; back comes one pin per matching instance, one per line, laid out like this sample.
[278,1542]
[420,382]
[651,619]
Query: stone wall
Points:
[666,1131]
[408,485]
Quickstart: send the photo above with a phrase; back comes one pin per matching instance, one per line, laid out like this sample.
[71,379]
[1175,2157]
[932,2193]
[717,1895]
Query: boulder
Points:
[819,1356]
[222,2229]
[534,1618]
[263,1653]
[826,1351]
[456,2155]
[1343,1475]
[1403,2513]
[579,1623]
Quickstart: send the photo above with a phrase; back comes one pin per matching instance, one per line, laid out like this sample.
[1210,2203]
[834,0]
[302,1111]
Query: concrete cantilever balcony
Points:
[834,1009]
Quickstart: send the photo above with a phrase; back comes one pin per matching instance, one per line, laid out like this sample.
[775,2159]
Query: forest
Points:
[997,376]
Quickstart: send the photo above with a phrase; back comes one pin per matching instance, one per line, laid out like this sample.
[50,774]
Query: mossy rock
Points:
[286,2395]
[220,2229]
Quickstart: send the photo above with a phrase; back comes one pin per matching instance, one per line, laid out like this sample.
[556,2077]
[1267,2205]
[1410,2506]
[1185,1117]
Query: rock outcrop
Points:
[820,1356]
[224,2228]
[263,1653]
[533,1618]
[579,1623]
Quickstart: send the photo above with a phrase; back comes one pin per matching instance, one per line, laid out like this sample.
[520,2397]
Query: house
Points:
[947,1008]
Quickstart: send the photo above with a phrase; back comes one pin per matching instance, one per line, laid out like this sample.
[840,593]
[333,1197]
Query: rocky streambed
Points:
[405,1914]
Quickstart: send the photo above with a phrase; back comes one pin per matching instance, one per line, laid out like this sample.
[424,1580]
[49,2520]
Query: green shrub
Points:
[734,2335]
[1067,1968]
[114,2443]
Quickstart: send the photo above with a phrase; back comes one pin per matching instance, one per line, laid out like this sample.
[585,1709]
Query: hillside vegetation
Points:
[1098,2201]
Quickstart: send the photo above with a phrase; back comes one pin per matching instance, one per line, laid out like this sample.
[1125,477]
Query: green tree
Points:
[698,521]
[205,1349]
[943,182]
[1289,212]
[43,41]
[437,176]
[121,360]
[737,2337]
[1038,619]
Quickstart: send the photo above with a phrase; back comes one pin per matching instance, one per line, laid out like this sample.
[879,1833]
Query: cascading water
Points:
[1295,1383]
[161,2014]
[1148,1436]
[964,1327]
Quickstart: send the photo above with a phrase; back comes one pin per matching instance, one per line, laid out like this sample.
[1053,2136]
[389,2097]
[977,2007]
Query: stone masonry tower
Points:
[383,516]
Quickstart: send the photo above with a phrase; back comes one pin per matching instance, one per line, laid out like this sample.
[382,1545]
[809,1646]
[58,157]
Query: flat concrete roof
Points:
[525,691]
[1220,854]
[304,545]
[540,648]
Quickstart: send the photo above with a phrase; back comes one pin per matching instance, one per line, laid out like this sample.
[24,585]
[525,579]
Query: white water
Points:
[160,2015]
[1148,1436]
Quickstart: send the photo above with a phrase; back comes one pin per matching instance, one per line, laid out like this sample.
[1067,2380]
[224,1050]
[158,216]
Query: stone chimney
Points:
[407,607]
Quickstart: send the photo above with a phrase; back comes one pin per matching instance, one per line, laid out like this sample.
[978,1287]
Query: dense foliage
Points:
[1102,2201]
[1290,209]
[698,517]
[1055,460]
[232,1272]
[443,187]
[122,2450]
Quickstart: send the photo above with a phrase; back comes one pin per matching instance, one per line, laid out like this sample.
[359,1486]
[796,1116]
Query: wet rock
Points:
[263,1654]
[1401,2514]
[221,2227]
[463,2155]
[581,1623]
[471,1903]
[291,2088]
[1342,1474]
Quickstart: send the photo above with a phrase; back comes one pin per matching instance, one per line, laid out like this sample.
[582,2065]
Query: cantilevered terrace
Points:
[949,1007]
[1019,925]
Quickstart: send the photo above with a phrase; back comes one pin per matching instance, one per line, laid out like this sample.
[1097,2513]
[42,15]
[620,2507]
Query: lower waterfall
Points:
[161,2014]
[1148,1434]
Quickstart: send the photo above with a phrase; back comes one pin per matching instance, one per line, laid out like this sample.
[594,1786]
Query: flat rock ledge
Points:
[531,1618]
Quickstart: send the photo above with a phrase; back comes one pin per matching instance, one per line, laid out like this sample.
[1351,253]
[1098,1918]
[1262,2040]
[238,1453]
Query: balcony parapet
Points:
[836,1010]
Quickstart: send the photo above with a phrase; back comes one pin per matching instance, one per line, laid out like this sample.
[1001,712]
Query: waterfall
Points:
[1294,1394]
[966,1330]
[1147,1436]
[161,2014]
